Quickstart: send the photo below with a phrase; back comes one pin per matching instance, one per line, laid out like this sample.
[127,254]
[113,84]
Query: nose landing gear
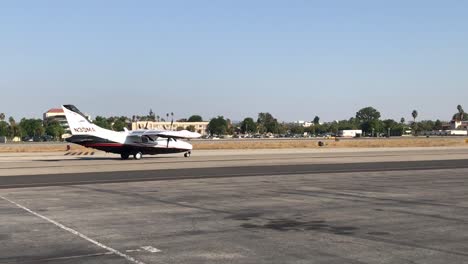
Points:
[187,154]
[124,156]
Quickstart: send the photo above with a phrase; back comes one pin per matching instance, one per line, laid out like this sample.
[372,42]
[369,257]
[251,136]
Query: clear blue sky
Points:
[295,59]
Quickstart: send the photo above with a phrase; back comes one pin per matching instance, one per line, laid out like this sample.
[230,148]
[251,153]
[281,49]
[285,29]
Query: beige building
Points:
[200,127]
[460,125]
[56,114]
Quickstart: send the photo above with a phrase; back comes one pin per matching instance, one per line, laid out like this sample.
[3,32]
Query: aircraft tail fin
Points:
[78,122]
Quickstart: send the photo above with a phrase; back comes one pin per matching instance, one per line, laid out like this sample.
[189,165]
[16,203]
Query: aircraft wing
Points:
[167,134]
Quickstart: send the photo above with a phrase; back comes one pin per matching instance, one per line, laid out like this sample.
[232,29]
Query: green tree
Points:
[460,115]
[282,128]
[414,114]
[15,131]
[414,126]
[316,120]
[368,119]
[195,118]
[311,129]
[2,116]
[151,115]
[352,123]
[392,128]
[119,124]
[375,126]
[389,123]
[54,129]
[460,111]
[402,120]
[367,114]
[320,129]
[230,127]
[248,126]
[31,127]
[426,125]
[267,123]
[101,121]
[438,125]
[297,129]
[333,127]
[217,126]
[4,129]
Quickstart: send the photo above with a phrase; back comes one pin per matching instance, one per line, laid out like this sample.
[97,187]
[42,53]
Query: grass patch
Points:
[353,143]
[266,144]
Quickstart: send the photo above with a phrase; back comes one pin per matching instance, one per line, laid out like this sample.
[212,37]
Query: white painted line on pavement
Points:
[151,249]
[74,232]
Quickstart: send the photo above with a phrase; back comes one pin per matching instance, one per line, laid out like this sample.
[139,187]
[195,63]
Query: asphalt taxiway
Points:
[285,206]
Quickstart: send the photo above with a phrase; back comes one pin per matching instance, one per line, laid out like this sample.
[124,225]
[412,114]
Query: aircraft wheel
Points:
[124,156]
[187,154]
[137,155]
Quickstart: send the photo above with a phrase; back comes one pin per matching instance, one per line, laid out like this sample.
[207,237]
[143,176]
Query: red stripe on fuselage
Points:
[103,145]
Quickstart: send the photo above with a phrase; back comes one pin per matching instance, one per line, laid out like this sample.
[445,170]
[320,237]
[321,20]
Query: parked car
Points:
[27,139]
[47,138]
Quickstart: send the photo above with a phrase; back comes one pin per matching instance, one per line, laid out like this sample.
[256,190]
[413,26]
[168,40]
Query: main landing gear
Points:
[137,155]
[187,154]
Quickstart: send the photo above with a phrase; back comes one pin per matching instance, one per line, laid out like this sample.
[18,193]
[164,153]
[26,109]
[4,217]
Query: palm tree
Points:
[158,118]
[2,116]
[415,115]
[402,120]
[14,129]
[172,119]
[460,112]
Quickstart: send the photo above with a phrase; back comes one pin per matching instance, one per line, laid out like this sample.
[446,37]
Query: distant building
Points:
[56,114]
[445,133]
[350,133]
[458,125]
[200,127]
[303,123]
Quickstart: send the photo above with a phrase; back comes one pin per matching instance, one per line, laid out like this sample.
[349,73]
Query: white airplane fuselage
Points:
[126,142]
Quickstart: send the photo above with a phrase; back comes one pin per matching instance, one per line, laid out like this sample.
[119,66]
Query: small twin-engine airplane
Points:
[125,143]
